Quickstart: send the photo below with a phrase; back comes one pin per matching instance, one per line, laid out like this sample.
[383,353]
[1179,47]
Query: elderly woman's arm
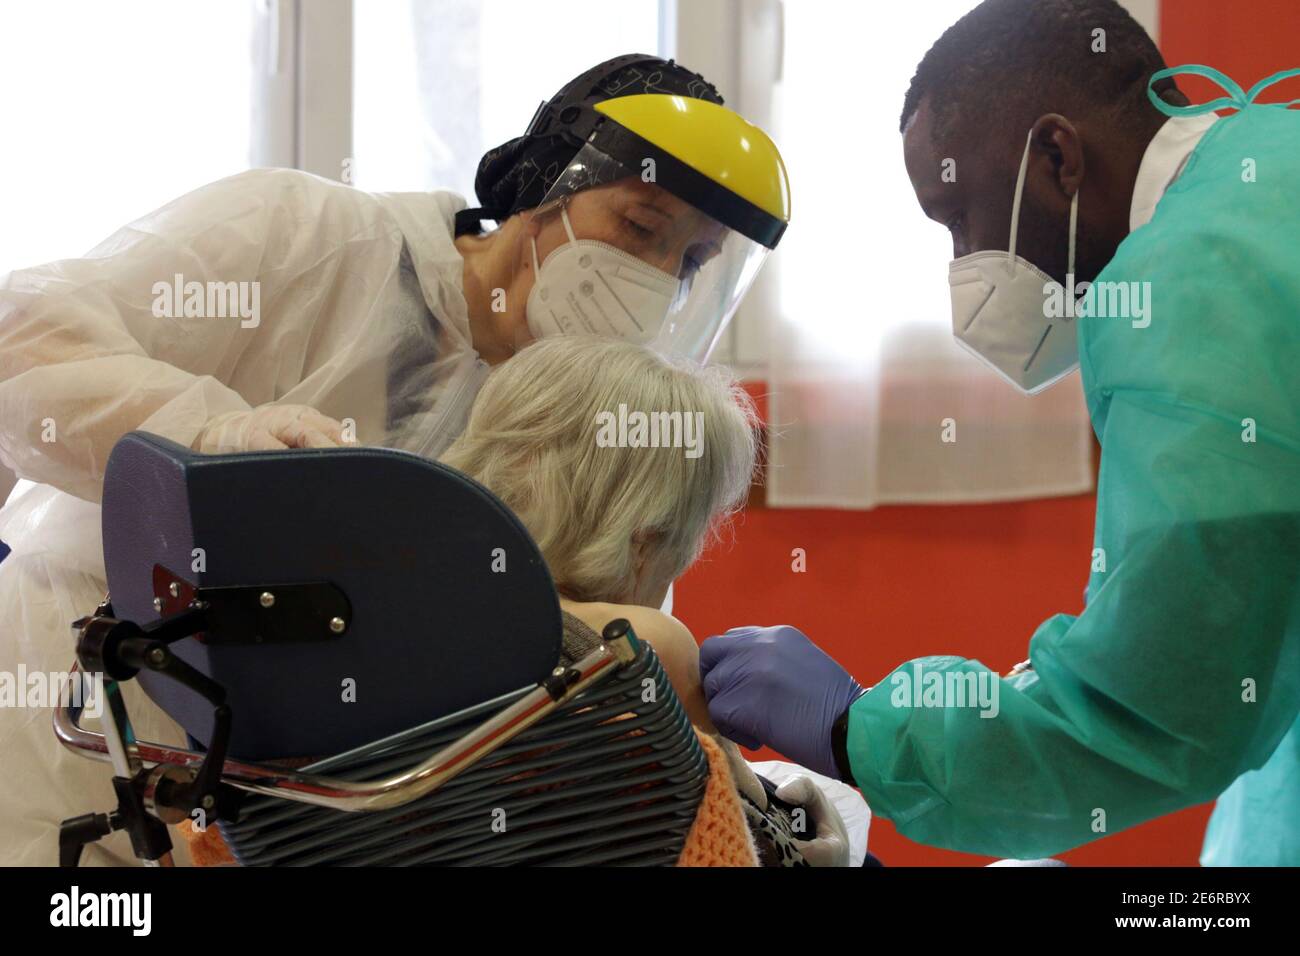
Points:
[672,641]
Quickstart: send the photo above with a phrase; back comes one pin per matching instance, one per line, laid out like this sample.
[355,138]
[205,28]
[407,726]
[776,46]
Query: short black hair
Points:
[1010,61]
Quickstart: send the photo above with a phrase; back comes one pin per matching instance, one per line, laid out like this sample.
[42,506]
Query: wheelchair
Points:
[362,647]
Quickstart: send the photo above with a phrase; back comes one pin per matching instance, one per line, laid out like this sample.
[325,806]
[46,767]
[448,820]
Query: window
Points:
[861,364]
[439,82]
[111,110]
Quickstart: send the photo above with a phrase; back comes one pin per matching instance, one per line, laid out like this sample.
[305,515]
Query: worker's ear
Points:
[533,220]
[530,223]
[1058,139]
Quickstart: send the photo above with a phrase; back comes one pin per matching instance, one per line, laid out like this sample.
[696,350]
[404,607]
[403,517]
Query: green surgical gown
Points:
[1181,678]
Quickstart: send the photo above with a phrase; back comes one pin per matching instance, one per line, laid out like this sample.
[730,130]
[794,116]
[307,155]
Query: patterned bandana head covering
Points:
[519,173]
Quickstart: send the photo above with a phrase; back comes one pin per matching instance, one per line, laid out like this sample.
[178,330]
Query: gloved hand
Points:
[771,685]
[829,843]
[269,427]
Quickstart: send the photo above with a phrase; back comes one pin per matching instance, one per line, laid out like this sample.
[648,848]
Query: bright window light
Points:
[439,82]
[111,110]
[860,255]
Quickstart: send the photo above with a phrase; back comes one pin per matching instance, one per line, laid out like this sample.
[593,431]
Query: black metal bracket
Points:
[150,798]
[257,613]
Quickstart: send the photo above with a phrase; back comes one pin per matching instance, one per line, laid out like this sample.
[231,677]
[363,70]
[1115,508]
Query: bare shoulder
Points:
[671,639]
[664,632]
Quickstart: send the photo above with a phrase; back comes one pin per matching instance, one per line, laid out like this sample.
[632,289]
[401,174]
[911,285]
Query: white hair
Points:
[532,439]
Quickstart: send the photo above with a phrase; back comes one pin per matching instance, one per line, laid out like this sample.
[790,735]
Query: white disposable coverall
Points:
[362,317]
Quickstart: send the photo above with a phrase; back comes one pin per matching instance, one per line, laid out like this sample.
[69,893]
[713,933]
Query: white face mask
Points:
[998,310]
[592,288]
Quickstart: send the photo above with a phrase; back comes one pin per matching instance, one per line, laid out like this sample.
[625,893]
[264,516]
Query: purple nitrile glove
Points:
[771,685]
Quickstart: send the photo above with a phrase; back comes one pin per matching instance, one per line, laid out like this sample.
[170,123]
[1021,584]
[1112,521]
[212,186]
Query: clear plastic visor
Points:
[698,268]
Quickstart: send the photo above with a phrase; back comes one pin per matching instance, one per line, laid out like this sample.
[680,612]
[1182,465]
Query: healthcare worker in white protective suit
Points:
[275,309]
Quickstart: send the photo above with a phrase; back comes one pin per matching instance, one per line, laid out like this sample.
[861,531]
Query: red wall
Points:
[887,585]
[1246,39]
[894,583]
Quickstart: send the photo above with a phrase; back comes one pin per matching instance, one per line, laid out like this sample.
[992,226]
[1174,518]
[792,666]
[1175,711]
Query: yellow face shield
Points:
[669,210]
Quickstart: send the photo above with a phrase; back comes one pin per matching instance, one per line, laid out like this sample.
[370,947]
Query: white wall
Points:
[1147,13]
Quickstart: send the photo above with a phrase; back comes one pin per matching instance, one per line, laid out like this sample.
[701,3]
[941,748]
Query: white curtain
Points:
[871,401]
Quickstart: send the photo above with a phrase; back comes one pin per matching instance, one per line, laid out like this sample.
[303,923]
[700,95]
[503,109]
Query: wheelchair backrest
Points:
[400,591]
[612,777]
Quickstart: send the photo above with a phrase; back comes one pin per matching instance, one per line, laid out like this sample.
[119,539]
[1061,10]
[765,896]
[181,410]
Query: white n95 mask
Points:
[592,288]
[999,309]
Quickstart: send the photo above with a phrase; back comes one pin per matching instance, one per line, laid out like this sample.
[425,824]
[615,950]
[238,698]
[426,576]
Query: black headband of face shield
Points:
[518,174]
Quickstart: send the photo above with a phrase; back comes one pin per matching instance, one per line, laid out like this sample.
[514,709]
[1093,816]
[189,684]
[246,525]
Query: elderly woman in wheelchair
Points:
[616,519]
[623,466]
[477,642]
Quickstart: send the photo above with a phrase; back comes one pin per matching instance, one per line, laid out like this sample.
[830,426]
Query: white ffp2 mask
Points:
[592,288]
[999,310]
